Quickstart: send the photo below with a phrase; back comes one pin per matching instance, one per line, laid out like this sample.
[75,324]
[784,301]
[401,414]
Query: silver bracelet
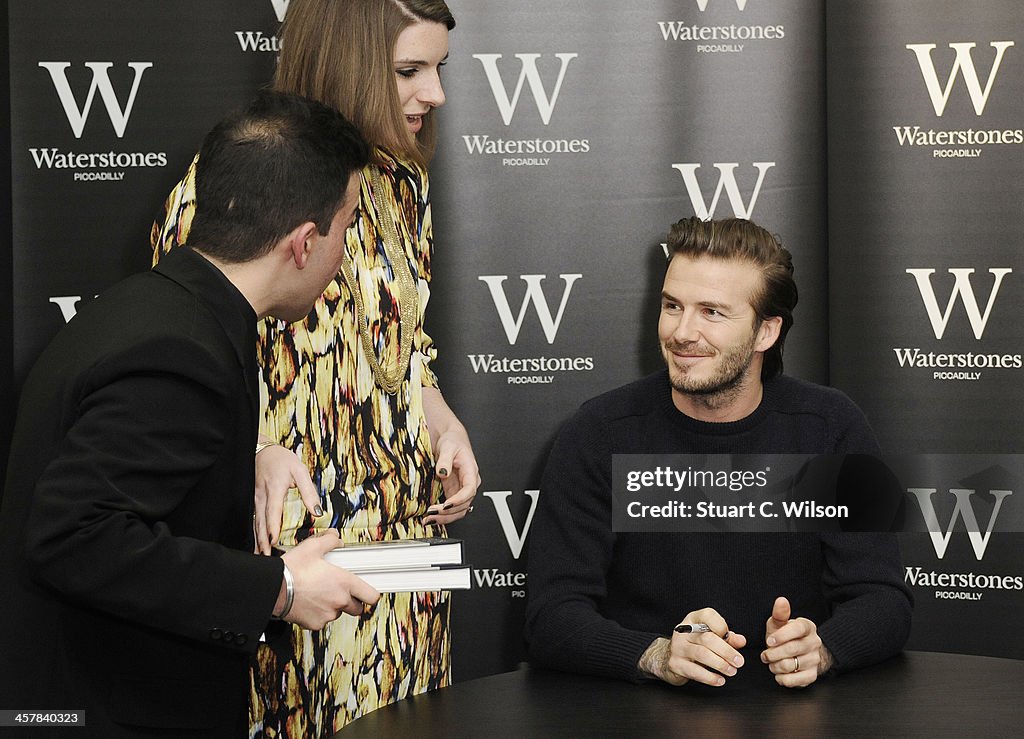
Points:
[289,592]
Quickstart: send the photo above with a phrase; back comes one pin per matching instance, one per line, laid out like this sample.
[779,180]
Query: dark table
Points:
[914,694]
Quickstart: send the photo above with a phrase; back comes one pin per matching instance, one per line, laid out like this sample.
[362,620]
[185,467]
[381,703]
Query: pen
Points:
[692,628]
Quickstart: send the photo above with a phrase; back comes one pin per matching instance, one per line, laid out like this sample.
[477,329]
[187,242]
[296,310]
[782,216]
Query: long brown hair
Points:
[341,53]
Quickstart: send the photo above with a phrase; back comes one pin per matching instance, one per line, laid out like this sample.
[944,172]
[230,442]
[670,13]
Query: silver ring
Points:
[797,668]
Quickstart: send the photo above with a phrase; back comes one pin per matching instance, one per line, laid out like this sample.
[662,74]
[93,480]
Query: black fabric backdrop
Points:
[576,132]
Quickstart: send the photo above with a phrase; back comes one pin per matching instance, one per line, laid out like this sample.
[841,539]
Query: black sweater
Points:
[597,599]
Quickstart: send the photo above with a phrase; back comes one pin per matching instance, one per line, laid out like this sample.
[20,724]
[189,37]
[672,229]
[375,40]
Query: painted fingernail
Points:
[726,637]
[318,511]
[443,472]
[447,506]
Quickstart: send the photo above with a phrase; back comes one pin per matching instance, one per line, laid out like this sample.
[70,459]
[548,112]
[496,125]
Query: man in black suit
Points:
[129,585]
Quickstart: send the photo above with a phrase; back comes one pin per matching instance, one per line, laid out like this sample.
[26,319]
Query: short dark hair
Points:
[736,238]
[283,161]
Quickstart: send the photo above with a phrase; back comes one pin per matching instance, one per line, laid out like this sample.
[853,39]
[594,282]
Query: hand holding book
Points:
[405,565]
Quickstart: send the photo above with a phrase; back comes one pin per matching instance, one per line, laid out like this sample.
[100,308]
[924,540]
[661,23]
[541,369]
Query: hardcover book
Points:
[407,553]
[404,565]
[410,580]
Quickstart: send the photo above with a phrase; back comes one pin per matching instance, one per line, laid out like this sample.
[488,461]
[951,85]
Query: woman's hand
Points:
[277,471]
[453,458]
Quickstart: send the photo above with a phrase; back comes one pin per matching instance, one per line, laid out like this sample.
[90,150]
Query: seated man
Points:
[130,588]
[604,603]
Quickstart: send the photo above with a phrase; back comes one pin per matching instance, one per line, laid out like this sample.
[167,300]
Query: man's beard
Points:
[724,384]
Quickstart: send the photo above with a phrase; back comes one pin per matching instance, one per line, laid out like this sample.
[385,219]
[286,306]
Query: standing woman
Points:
[348,394]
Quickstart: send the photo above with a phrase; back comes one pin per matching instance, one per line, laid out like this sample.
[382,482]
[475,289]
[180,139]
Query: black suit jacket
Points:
[128,584]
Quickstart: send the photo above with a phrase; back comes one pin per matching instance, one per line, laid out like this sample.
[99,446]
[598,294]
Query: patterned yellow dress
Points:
[368,452]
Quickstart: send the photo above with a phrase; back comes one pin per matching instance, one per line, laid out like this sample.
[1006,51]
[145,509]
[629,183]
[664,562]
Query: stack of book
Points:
[405,565]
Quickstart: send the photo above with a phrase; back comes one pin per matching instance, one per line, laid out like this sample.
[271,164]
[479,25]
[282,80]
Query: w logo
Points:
[727,182]
[703,5]
[962,64]
[962,287]
[534,294]
[964,510]
[100,81]
[527,73]
[513,536]
[280,7]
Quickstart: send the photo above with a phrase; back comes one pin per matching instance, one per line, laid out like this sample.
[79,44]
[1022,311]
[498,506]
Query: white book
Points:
[402,553]
[418,579]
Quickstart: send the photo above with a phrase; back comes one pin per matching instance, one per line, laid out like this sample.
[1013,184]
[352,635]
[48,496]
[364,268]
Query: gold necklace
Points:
[389,379]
